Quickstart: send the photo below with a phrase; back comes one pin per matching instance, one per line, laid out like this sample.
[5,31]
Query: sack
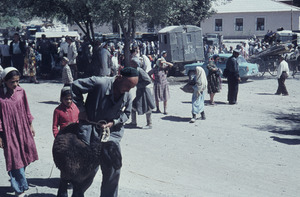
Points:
[225,73]
[188,88]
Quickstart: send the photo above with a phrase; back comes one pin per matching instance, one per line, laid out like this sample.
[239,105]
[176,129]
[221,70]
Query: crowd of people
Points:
[108,99]
[43,58]
[107,82]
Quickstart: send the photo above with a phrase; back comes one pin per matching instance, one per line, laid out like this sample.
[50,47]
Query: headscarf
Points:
[6,71]
[135,61]
[201,81]
[3,75]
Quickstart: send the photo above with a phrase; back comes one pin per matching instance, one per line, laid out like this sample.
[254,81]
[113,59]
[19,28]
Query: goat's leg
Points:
[63,188]
[80,188]
[77,192]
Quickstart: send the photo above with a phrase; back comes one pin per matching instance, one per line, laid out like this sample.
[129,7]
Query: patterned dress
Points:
[161,85]
[29,63]
[213,78]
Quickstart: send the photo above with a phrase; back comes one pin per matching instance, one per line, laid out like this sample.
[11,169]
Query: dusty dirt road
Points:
[248,149]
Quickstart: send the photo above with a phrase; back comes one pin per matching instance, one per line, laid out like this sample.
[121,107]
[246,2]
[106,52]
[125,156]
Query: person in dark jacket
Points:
[233,77]
[17,51]
[44,47]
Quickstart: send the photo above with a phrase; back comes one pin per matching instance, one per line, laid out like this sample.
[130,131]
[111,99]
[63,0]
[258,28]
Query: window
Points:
[260,24]
[189,38]
[173,38]
[239,24]
[218,25]
[165,39]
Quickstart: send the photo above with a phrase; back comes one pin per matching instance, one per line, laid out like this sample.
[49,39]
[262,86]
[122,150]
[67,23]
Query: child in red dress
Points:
[66,113]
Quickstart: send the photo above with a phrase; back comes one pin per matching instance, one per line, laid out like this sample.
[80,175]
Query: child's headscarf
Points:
[3,75]
[6,71]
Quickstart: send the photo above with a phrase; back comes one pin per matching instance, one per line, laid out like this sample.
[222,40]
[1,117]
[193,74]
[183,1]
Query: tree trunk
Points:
[127,49]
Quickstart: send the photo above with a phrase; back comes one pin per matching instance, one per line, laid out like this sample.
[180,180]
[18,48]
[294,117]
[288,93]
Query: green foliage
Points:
[189,12]
[125,14]
[7,18]
[296,3]
[8,21]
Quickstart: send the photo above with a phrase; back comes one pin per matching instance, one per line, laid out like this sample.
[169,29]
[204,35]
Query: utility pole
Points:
[291,19]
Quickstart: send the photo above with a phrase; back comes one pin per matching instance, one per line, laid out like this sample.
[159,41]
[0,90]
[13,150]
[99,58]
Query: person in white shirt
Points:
[72,55]
[63,48]
[282,75]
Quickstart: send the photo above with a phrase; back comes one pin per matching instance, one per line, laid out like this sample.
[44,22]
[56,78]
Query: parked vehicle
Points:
[246,69]
[183,44]
[213,39]
[31,31]
[56,36]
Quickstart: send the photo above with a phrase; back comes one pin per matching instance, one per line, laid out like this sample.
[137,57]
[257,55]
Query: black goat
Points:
[77,161]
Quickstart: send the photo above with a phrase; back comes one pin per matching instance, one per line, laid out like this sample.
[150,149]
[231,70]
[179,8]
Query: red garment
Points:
[15,120]
[63,116]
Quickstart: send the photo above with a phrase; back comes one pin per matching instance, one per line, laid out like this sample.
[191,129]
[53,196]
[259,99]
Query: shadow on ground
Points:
[265,94]
[9,192]
[50,102]
[129,126]
[176,118]
[288,134]
[4,191]
[206,102]
[47,182]
[41,195]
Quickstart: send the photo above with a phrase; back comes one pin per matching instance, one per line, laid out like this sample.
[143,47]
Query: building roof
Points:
[238,6]
[188,28]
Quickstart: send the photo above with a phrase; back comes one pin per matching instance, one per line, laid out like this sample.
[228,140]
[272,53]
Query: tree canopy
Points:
[126,14]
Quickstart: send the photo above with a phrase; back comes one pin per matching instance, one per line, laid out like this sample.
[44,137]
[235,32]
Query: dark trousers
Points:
[18,62]
[46,63]
[6,61]
[281,86]
[74,70]
[110,179]
[233,88]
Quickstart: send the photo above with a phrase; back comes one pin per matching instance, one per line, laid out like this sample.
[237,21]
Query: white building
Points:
[245,18]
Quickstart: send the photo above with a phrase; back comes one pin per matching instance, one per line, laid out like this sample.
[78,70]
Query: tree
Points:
[127,14]
[296,3]
[84,13]
[8,14]
[189,12]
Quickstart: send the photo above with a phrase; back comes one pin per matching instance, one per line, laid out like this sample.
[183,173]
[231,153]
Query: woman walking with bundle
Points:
[198,95]
[213,78]
[16,130]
